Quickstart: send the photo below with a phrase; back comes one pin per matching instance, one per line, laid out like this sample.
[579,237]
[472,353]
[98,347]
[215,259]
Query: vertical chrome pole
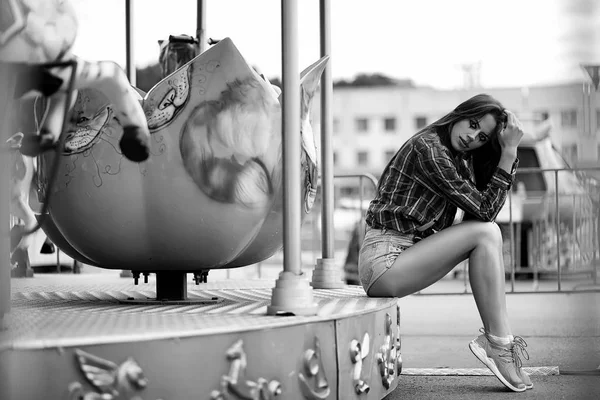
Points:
[361,195]
[326,274]
[583,118]
[291,137]
[201,25]
[292,292]
[557,230]
[327,233]
[130,70]
[130,59]
[574,230]
[596,247]
[6,127]
[590,111]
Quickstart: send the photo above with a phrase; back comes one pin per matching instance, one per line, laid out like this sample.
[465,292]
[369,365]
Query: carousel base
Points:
[85,337]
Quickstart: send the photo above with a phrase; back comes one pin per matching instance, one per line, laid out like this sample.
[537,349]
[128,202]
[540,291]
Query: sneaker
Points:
[525,378]
[500,360]
[519,345]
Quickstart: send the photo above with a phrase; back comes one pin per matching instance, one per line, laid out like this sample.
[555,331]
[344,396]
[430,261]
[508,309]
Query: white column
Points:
[292,293]
[326,274]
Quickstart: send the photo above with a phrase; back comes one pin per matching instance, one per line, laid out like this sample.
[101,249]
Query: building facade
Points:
[371,123]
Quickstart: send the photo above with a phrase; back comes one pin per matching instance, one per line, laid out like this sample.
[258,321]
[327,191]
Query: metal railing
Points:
[558,229]
[562,230]
[561,241]
[372,180]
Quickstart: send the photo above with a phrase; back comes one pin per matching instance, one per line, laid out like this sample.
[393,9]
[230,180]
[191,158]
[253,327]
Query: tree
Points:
[370,80]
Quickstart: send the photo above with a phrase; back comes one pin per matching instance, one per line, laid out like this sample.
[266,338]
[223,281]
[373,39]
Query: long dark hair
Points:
[485,158]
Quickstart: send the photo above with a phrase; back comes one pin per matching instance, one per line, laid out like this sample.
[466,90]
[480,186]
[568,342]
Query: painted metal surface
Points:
[36,31]
[51,231]
[36,41]
[36,37]
[368,369]
[79,342]
[211,194]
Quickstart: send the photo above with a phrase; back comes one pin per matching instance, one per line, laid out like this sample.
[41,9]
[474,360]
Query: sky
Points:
[512,43]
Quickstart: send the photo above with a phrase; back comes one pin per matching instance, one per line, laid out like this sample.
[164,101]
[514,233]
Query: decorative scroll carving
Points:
[110,381]
[358,352]
[315,373]
[389,353]
[398,353]
[234,386]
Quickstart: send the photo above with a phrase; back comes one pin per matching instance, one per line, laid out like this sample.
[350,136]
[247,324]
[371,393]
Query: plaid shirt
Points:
[423,184]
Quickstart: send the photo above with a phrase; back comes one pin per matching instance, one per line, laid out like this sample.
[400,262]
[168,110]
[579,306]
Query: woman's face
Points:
[470,134]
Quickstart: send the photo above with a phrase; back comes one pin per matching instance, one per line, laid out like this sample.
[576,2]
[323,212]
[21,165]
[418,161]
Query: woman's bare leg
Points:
[432,258]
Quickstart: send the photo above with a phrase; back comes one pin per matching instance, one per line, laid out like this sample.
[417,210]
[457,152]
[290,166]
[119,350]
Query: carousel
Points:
[213,168]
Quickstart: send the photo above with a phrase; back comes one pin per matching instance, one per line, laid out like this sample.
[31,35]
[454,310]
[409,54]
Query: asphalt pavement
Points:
[562,331]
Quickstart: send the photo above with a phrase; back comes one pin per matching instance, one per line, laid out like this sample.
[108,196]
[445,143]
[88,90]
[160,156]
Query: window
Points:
[362,124]
[362,158]
[388,155]
[568,118]
[389,124]
[570,152]
[420,122]
[534,181]
[336,125]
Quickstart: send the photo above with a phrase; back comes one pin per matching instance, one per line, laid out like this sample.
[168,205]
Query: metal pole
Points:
[6,126]
[596,247]
[327,185]
[130,60]
[130,70]
[575,237]
[201,25]
[589,96]
[291,137]
[362,223]
[557,229]
[292,292]
[326,274]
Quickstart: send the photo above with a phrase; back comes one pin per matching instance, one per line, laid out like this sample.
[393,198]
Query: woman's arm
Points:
[436,170]
[509,139]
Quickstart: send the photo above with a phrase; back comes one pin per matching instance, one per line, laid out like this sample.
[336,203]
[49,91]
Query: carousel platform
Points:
[102,337]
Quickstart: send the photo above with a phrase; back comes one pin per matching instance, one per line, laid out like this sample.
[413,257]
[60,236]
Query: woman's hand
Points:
[511,135]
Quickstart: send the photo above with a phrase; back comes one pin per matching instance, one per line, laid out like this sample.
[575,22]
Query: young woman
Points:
[465,160]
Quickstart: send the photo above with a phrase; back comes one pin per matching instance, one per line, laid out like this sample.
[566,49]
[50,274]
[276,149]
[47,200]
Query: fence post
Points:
[557,223]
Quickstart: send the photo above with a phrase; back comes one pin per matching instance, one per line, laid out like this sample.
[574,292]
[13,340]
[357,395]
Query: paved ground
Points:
[562,330]
[476,388]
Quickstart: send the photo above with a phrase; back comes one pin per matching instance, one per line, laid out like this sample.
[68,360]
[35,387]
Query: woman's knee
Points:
[489,233]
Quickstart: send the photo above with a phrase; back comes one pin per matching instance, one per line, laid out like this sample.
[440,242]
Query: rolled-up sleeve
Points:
[503,179]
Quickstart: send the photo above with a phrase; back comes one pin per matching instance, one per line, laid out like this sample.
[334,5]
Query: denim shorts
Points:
[378,252]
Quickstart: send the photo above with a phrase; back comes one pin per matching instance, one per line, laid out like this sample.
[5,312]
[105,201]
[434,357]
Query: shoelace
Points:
[519,345]
[509,355]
